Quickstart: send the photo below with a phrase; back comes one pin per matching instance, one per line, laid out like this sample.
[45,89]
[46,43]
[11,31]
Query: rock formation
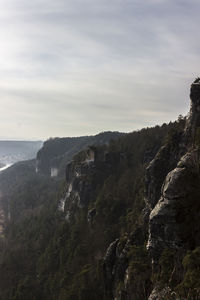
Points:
[175,200]
[171,213]
[56,153]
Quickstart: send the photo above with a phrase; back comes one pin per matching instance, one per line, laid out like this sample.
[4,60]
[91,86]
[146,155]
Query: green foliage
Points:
[139,260]
[166,263]
[46,257]
[139,272]
[190,285]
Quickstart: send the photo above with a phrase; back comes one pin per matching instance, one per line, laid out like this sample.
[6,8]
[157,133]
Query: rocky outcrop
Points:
[123,261]
[170,217]
[163,294]
[155,175]
[173,191]
[177,194]
[91,215]
[80,188]
[193,122]
[84,175]
[115,267]
[56,153]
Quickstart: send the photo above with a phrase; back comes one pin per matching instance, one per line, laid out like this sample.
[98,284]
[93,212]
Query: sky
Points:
[79,67]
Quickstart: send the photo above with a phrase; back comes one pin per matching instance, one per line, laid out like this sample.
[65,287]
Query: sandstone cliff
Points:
[171,215]
[57,152]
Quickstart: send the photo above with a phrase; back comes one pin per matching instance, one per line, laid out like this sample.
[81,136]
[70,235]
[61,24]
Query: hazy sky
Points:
[76,67]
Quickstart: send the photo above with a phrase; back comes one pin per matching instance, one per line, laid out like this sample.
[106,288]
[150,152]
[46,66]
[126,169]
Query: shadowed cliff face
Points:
[193,121]
[170,191]
[170,217]
[84,177]
[175,207]
[56,153]
[2,220]
[173,191]
[195,104]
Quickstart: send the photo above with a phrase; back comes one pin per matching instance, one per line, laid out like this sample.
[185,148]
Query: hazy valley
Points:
[14,151]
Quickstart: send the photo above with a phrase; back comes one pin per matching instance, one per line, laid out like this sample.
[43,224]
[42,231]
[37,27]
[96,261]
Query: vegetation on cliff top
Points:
[44,256]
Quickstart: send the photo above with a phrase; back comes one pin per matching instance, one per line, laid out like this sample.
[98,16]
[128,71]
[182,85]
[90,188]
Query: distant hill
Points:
[14,151]
[57,152]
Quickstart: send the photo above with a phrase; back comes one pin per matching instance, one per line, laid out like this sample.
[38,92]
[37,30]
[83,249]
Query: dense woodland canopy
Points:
[45,256]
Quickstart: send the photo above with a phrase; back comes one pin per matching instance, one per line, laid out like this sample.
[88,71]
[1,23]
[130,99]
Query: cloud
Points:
[69,68]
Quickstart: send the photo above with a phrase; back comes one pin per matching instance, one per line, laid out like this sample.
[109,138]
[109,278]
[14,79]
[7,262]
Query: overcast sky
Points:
[79,67]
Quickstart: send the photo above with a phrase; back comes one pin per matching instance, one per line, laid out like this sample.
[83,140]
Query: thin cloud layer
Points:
[79,67]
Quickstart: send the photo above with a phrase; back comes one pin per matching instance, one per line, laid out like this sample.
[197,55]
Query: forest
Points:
[45,255]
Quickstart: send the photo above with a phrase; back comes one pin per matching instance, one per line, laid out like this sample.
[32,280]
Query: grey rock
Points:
[163,222]
[163,294]
[172,187]
[91,215]
[115,267]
